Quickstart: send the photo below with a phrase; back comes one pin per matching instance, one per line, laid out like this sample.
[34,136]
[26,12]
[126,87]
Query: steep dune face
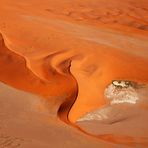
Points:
[69,51]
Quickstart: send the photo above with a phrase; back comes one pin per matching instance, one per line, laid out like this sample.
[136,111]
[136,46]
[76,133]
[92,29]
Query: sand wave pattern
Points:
[70,52]
[59,71]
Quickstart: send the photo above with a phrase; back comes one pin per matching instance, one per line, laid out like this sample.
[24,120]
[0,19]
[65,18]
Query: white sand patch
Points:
[121,95]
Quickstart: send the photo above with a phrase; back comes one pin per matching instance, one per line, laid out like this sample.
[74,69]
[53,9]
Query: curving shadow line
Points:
[66,106]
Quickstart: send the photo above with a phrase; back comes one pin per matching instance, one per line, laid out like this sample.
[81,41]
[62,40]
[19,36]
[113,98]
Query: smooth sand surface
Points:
[67,52]
[26,121]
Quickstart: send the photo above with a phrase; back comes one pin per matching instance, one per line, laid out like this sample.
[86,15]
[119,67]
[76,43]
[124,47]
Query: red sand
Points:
[69,51]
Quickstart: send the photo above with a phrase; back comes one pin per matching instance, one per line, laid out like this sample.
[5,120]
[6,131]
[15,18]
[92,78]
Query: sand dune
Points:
[68,52]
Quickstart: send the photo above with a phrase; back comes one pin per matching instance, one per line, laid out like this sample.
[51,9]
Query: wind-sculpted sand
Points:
[67,53]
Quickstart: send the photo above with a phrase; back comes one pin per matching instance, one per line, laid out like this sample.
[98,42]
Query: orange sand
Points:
[69,51]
